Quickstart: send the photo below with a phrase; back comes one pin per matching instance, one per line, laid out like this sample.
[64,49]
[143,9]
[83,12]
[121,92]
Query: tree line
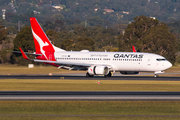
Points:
[123,11]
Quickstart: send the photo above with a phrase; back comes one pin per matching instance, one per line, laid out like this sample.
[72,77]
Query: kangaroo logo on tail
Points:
[41,43]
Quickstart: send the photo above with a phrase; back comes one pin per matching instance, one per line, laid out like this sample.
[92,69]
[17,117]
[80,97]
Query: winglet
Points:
[23,54]
[134,49]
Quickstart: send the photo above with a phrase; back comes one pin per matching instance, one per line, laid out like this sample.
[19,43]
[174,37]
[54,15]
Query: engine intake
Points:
[98,70]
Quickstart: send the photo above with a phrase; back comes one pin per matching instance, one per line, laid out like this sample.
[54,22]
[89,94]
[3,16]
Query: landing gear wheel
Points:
[108,75]
[155,75]
[88,75]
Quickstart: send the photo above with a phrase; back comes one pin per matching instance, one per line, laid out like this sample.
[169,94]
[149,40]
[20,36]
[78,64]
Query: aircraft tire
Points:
[155,75]
[108,75]
[88,75]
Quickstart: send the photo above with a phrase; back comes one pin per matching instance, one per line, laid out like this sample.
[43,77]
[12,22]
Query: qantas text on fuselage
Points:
[128,56]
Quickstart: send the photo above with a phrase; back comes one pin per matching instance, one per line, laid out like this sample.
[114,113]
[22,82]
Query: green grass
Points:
[89,118]
[87,85]
[88,110]
[24,70]
[75,110]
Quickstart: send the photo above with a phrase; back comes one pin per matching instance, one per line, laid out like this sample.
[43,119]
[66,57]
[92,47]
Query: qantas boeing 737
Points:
[95,63]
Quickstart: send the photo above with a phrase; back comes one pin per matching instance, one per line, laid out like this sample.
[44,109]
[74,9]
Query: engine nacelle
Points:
[98,70]
[128,72]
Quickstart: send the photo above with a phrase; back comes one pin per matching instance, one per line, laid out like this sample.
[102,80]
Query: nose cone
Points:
[168,64]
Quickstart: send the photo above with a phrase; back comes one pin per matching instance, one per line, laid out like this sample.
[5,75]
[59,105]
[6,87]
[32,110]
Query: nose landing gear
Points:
[157,72]
[155,75]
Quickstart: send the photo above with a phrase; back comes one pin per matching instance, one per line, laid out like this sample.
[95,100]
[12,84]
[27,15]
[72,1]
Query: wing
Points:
[71,65]
[63,64]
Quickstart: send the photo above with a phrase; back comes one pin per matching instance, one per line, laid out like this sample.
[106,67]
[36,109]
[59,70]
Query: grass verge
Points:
[75,110]
[45,70]
[87,85]
[24,70]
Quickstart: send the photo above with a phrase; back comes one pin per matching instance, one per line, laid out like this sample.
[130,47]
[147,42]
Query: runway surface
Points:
[86,95]
[164,78]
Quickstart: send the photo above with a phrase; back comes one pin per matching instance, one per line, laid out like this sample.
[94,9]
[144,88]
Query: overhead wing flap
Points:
[63,63]
[69,63]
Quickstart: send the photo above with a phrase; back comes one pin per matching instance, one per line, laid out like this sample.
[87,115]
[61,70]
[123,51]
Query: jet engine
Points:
[129,72]
[98,70]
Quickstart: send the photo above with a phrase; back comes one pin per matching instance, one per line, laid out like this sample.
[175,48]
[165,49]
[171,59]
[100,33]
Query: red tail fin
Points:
[41,41]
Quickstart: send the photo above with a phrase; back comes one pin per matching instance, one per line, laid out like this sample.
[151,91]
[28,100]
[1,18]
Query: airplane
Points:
[95,63]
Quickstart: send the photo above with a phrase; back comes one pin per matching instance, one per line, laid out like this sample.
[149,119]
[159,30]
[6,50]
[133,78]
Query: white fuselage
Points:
[117,61]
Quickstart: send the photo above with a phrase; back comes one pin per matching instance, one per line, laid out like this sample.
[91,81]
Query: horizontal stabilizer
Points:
[23,54]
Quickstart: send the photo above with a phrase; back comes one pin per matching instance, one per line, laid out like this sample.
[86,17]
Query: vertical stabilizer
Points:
[41,41]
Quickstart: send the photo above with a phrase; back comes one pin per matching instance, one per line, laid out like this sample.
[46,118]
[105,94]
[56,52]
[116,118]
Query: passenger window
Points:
[161,59]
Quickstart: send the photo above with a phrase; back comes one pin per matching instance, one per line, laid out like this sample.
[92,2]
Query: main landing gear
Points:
[108,75]
[88,75]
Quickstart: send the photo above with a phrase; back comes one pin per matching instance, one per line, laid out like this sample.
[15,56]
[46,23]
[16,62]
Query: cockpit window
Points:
[161,59]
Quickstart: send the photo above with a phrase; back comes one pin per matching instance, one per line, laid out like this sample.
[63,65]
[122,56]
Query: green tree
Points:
[159,40]
[103,37]
[82,43]
[59,25]
[148,35]
[94,21]
[57,17]
[48,26]
[2,33]
[178,59]
[12,30]
[24,39]
[67,45]
[77,21]
[52,35]
[85,44]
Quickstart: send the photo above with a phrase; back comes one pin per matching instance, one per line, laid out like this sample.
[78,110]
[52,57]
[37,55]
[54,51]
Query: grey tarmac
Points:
[88,95]
[76,77]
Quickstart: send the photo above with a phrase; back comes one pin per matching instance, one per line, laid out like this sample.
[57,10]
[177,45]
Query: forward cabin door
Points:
[149,61]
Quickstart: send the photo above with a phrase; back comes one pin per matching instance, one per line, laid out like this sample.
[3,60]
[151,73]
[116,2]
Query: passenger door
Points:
[149,61]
